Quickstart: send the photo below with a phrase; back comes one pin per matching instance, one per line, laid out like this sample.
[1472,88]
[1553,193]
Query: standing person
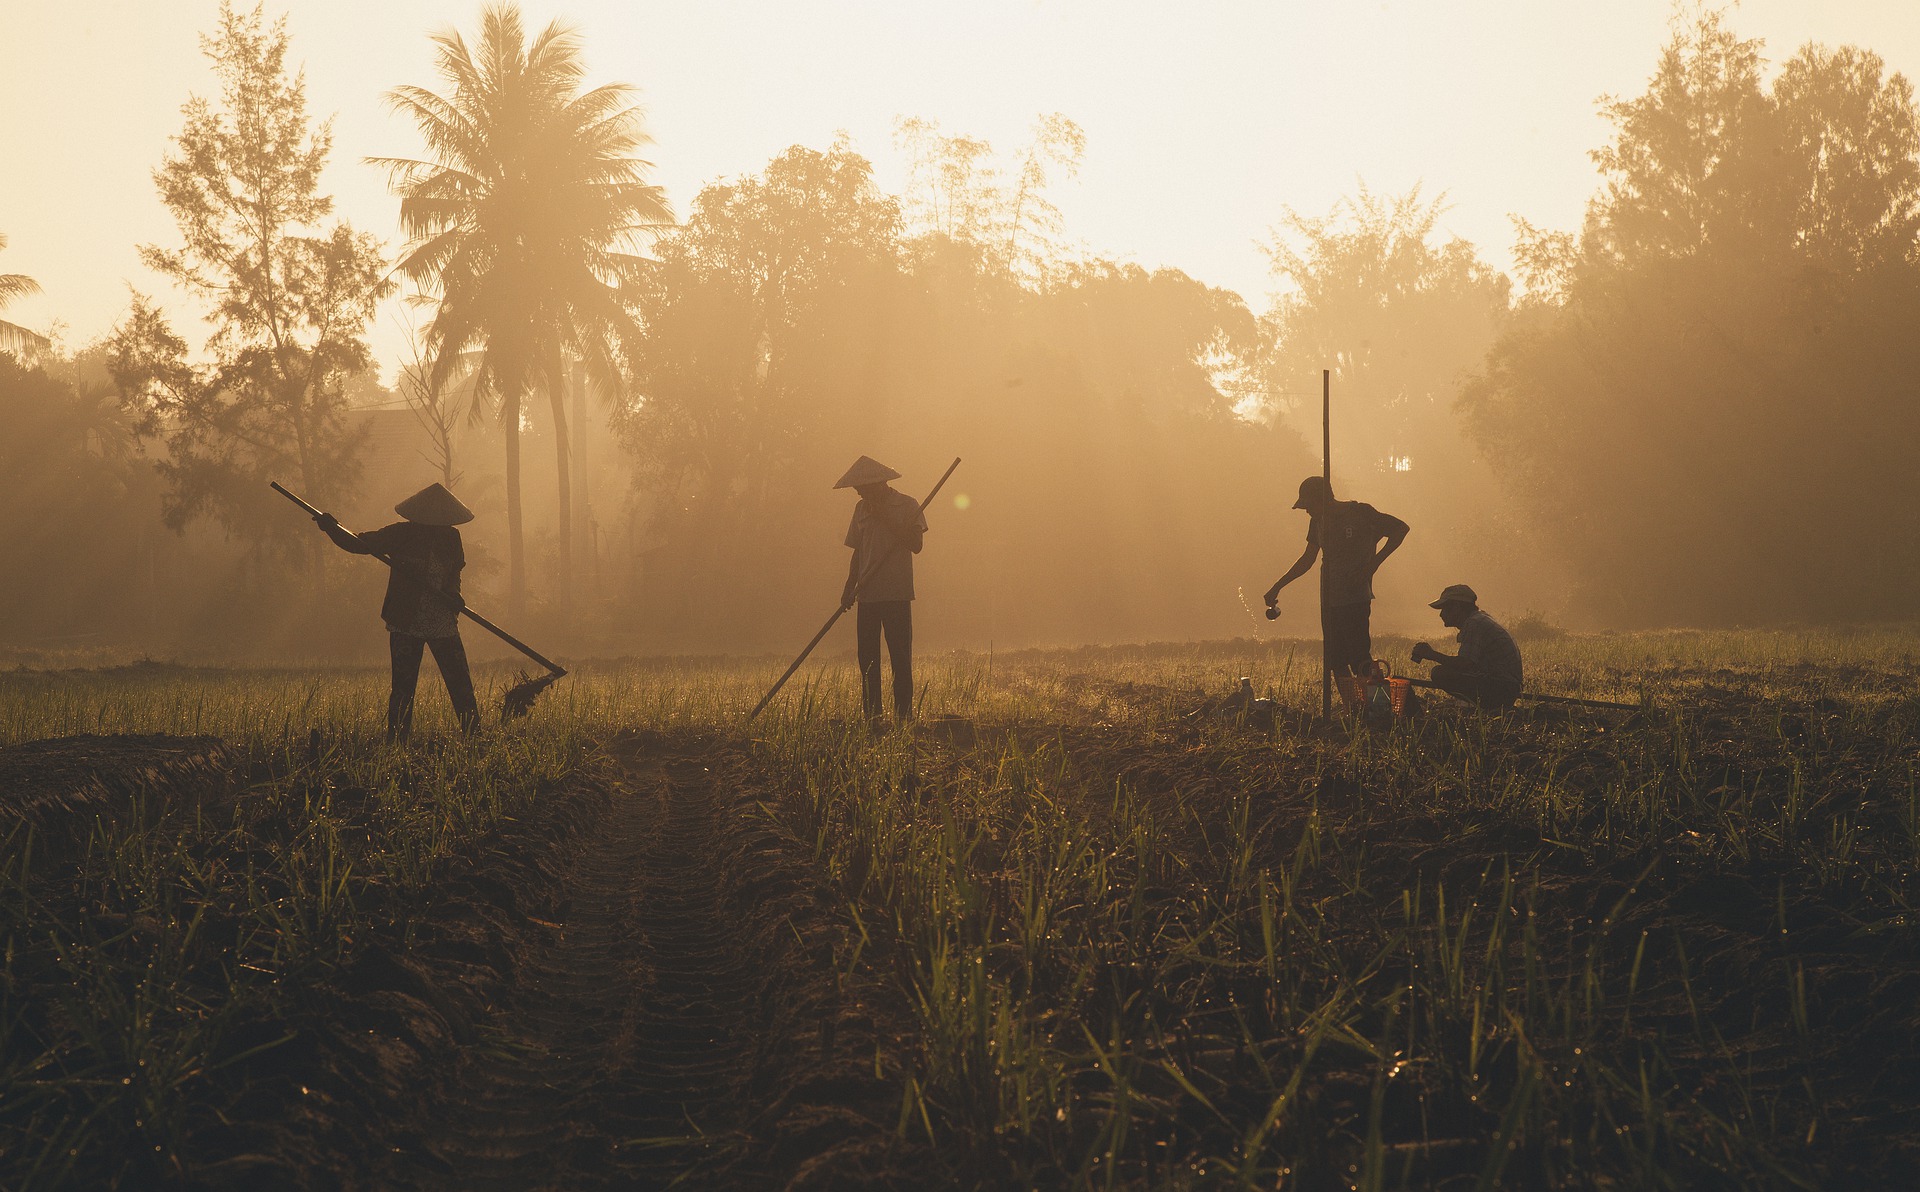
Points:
[1350,532]
[886,532]
[1487,670]
[427,558]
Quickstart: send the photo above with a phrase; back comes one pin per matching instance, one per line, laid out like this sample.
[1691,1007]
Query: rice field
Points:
[1071,929]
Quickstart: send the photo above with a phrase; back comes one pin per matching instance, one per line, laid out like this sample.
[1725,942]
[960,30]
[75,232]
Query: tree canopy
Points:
[1706,408]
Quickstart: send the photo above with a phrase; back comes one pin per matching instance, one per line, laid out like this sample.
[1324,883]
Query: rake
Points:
[519,698]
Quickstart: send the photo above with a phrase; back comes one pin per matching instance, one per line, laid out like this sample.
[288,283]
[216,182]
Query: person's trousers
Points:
[1474,687]
[451,657]
[894,619]
[1348,632]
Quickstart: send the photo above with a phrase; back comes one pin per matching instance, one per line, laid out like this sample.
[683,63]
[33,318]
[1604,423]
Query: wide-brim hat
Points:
[1456,594]
[434,506]
[867,470]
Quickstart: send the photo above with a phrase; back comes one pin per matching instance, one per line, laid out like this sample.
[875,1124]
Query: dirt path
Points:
[678,1022]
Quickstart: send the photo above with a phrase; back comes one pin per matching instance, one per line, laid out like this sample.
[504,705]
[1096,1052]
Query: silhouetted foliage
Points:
[1402,316]
[1709,402]
[289,301]
[521,224]
[76,511]
[1109,489]
[13,337]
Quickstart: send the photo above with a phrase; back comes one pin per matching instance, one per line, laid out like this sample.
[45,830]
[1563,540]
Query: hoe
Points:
[520,697]
[837,613]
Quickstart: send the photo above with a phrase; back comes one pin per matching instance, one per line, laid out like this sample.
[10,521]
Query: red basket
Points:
[1353,690]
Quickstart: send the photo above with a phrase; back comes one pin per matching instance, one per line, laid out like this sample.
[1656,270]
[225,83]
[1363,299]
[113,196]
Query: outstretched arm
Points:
[1300,567]
[342,537]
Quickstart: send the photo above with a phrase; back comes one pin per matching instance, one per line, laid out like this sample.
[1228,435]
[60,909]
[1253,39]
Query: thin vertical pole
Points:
[1326,473]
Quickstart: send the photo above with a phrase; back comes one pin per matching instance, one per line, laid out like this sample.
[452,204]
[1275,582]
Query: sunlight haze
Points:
[1204,121]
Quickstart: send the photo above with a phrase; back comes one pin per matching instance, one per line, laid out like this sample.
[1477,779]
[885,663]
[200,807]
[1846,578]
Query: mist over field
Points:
[1690,407]
[1177,382]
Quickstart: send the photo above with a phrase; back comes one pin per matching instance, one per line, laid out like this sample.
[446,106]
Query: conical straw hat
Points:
[434,506]
[867,470]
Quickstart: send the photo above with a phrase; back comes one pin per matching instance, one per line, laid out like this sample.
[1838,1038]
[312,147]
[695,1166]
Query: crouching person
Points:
[1487,669]
[422,609]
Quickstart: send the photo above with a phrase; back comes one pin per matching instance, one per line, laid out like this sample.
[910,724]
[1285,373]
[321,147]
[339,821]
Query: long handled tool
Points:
[520,697]
[1548,699]
[872,566]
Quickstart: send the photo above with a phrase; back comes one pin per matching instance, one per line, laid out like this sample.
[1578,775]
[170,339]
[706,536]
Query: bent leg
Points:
[1475,688]
[404,651]
[450,655]
[867,653]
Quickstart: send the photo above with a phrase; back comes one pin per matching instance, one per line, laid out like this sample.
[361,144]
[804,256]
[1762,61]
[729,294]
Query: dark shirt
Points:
[431,552]
[1486,647]
[1347,543]
[882,558]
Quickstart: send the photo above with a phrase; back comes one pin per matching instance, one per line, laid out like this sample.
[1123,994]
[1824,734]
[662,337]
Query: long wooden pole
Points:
[1326,473]
[458,605]
[873,566]
[1551,699]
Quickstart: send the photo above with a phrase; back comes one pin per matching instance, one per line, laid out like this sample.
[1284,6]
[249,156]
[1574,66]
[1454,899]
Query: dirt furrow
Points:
[671,1020]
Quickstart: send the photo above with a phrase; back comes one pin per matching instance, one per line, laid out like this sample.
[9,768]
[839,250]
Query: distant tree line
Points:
[1708,397]
[1694,409]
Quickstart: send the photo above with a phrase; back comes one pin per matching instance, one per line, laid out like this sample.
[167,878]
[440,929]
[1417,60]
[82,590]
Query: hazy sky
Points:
[1204,119]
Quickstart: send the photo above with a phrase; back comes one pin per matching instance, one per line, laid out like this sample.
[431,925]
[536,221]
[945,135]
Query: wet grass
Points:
[1122,947]
[1667,949]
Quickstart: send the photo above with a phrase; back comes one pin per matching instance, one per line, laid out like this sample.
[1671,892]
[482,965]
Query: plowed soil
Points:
[678,1018]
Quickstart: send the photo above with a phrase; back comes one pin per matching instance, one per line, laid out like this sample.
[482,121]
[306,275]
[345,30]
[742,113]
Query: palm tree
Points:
[521,225]
[13,337]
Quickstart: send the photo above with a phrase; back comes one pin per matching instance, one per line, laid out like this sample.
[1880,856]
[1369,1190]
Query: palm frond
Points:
[28,345]
[16,285]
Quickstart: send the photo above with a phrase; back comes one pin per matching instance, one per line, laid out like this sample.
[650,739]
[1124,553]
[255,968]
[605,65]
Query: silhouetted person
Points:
[425,547]
[886,532]
[1350,532]
[1487,669]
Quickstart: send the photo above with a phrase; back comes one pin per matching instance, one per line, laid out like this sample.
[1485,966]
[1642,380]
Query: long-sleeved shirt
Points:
[433,553]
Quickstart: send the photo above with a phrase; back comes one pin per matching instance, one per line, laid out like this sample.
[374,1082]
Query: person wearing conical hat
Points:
[422,608]
[886,532]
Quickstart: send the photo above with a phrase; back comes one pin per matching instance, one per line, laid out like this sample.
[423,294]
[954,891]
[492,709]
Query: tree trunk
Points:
[516,555]
[582,488]
[557,384]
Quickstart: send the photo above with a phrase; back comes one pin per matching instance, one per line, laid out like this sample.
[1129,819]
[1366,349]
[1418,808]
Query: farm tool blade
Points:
[879,558]
[519,698]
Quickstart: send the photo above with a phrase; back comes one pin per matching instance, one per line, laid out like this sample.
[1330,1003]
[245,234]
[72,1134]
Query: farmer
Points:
[1351,533]
[1487,669]
[427,557]
[886,532]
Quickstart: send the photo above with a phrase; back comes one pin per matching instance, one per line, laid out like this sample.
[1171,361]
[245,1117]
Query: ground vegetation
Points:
[1074,928]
